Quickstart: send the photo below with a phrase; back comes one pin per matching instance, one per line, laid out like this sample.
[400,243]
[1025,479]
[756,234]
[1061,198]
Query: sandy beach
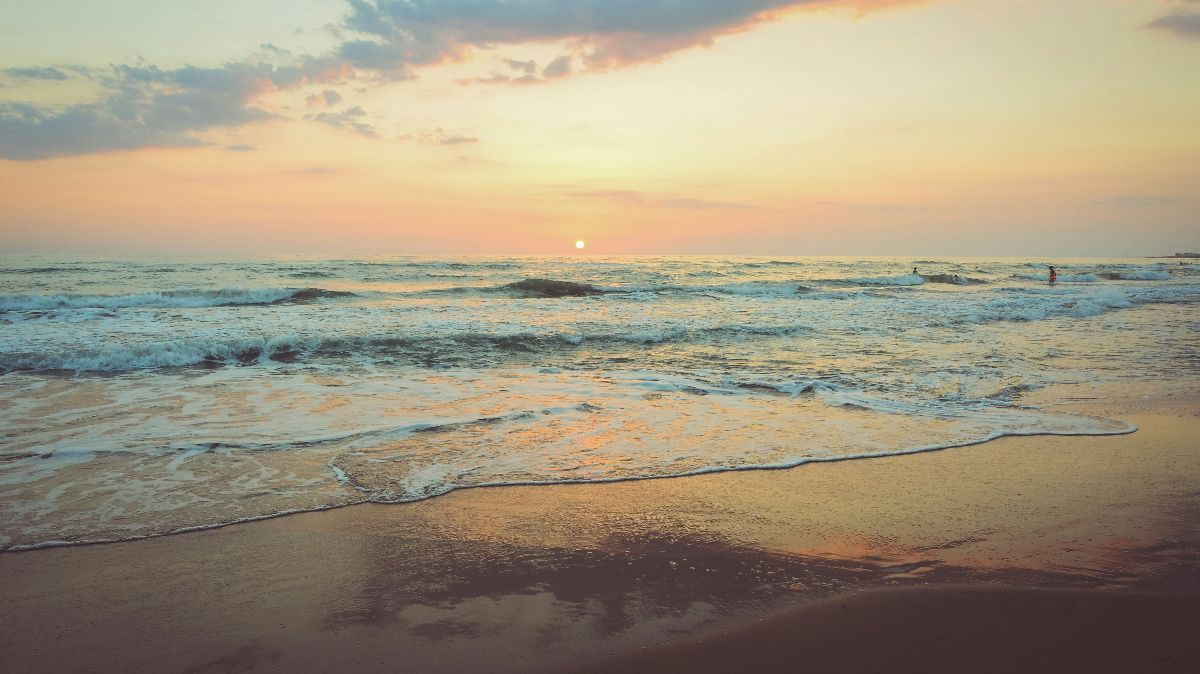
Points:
[1023,553]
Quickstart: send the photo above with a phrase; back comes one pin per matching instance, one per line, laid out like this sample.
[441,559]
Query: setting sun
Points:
[580,244]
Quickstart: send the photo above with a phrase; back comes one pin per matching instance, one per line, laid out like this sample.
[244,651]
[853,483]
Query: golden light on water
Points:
[580,244]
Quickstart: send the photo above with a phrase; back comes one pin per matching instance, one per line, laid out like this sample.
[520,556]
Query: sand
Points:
[975,629]
[1037,550]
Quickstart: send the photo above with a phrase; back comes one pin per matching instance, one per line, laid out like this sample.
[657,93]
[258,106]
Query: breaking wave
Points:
[426,349]
[1137,275]
[953,279]
[1061,278]
[459,345]
[901,280]
[541,287]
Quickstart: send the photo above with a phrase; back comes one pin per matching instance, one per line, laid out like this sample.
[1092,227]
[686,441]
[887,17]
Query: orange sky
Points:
[763,126]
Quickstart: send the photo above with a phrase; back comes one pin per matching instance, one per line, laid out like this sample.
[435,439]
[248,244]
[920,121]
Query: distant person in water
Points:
[1053,274]
[915,272]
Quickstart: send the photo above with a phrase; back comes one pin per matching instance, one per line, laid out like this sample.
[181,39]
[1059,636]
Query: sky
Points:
[818,127]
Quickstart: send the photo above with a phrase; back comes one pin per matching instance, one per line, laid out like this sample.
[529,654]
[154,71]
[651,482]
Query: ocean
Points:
[140,398]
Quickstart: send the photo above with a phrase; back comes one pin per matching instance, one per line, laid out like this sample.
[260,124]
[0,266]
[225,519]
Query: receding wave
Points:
[168,299]
[740,425]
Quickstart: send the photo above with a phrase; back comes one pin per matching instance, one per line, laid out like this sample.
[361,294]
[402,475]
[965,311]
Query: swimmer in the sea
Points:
[1053,275]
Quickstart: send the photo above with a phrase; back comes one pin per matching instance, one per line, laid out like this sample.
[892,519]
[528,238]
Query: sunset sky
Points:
[867,127]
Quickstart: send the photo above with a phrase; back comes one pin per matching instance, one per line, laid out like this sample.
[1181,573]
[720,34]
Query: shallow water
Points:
[143,398]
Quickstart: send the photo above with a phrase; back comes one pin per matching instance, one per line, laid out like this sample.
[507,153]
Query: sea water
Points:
[143,398]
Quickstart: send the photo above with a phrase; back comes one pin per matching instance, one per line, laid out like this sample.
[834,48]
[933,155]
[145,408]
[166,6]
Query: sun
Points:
[580,244]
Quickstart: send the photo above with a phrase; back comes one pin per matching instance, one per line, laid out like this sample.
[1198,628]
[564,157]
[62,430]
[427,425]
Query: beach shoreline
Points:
[551,578]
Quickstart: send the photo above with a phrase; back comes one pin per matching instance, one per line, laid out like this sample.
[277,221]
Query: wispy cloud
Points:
[649,200]
[37,73]
[559,67]
[527,67]
[318,171]
[869,207]
[323,99]
[1181,22]
[440,136]
[350,119]
[1138,201]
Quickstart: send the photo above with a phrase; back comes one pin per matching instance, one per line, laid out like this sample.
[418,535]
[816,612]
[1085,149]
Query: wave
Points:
[555,288]
[1137,275]
[313,294]
[311,274]
[1048,305]
[171,353]
[953,279]
[742,288]
[901,280]
[541,287]
[551,288]
[425,264]
[354,459]
[169,299]
[1061,278]
[47,270]
[449,348]
[527,288]
[422,349]
[1096,277]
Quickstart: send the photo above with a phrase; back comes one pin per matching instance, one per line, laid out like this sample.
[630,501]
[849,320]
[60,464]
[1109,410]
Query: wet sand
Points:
[949,629]
[1024,547]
